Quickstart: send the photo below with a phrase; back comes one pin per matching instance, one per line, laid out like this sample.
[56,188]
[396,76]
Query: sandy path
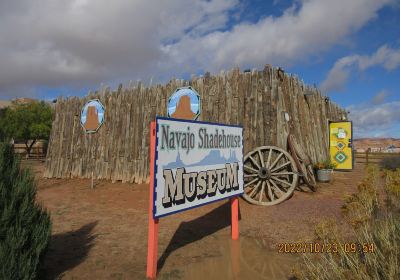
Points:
[102,233]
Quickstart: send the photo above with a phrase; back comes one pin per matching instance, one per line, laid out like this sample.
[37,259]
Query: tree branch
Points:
[29,148]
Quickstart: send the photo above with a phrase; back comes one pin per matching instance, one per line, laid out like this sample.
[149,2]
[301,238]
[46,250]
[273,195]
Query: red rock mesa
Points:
[183,110]
[92,119]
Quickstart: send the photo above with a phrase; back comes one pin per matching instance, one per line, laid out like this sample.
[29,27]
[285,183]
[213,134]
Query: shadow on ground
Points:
[189,232]
[68,250]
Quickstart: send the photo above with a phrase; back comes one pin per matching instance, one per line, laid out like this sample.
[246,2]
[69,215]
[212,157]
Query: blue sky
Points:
[349,49]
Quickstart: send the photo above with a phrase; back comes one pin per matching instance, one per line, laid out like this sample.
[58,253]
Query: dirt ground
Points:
[101,233]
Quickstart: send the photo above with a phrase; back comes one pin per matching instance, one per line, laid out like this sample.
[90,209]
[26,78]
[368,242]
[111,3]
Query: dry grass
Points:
[373,223]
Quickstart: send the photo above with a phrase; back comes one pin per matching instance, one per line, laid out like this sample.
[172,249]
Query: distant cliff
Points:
[365,143]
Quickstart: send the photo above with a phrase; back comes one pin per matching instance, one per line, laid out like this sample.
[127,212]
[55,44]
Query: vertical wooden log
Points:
[255,99]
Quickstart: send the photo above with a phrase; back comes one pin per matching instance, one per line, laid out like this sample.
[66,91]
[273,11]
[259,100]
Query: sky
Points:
[350,49]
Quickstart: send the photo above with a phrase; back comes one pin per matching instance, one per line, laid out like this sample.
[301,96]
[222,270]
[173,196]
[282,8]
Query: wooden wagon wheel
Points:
[270,176]
[303,162]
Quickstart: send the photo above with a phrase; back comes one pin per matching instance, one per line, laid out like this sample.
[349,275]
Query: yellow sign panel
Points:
[340,144]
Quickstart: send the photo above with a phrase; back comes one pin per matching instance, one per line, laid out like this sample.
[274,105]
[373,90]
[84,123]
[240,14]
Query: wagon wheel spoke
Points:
[250,168]
[261,158]
[255,189]
[250,189]
[276,187]
[281,181]
[250,175]
[254,161]
[282,173]
[280,167]
[276,160]
[262,191]
[271,196]
[251,182]
[269,158]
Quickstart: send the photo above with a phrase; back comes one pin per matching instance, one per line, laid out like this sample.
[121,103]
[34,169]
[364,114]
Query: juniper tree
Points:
[25,226]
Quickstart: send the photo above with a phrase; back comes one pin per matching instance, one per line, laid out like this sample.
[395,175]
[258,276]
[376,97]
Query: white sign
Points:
[196,163]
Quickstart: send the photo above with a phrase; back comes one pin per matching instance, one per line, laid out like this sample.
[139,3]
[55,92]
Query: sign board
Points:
[195,163]
[92,116]
[340,144]
[185,104]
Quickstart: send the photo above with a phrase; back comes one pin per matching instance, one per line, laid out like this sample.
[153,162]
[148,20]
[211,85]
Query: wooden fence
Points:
[38,150]
[258,100]
[372,157]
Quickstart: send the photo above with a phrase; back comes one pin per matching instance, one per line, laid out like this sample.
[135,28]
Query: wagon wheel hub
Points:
[264,173]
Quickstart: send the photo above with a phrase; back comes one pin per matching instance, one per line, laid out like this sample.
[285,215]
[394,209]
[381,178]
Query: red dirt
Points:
[102,233]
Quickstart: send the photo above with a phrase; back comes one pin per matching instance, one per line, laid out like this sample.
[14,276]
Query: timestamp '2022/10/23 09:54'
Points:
[312,247]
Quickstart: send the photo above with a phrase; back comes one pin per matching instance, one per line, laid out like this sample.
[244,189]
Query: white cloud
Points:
[375,120]
[84,42]
[380,97]
[299,33]
[388,58]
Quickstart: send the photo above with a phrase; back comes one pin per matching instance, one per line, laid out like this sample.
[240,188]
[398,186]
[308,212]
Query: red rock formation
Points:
[92,119]
[183,110]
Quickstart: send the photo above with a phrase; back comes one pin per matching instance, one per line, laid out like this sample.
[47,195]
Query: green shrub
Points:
[390,163]
[327,164]
[25,227]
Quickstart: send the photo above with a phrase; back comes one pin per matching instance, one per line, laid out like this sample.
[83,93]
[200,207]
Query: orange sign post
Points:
[152,244]
[165,190]
[235,217]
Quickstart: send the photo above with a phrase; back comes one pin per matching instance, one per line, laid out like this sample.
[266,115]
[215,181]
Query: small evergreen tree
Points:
[25,227]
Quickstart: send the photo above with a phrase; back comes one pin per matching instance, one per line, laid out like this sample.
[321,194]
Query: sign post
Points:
[235,217]
[192,164]
[152,247]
